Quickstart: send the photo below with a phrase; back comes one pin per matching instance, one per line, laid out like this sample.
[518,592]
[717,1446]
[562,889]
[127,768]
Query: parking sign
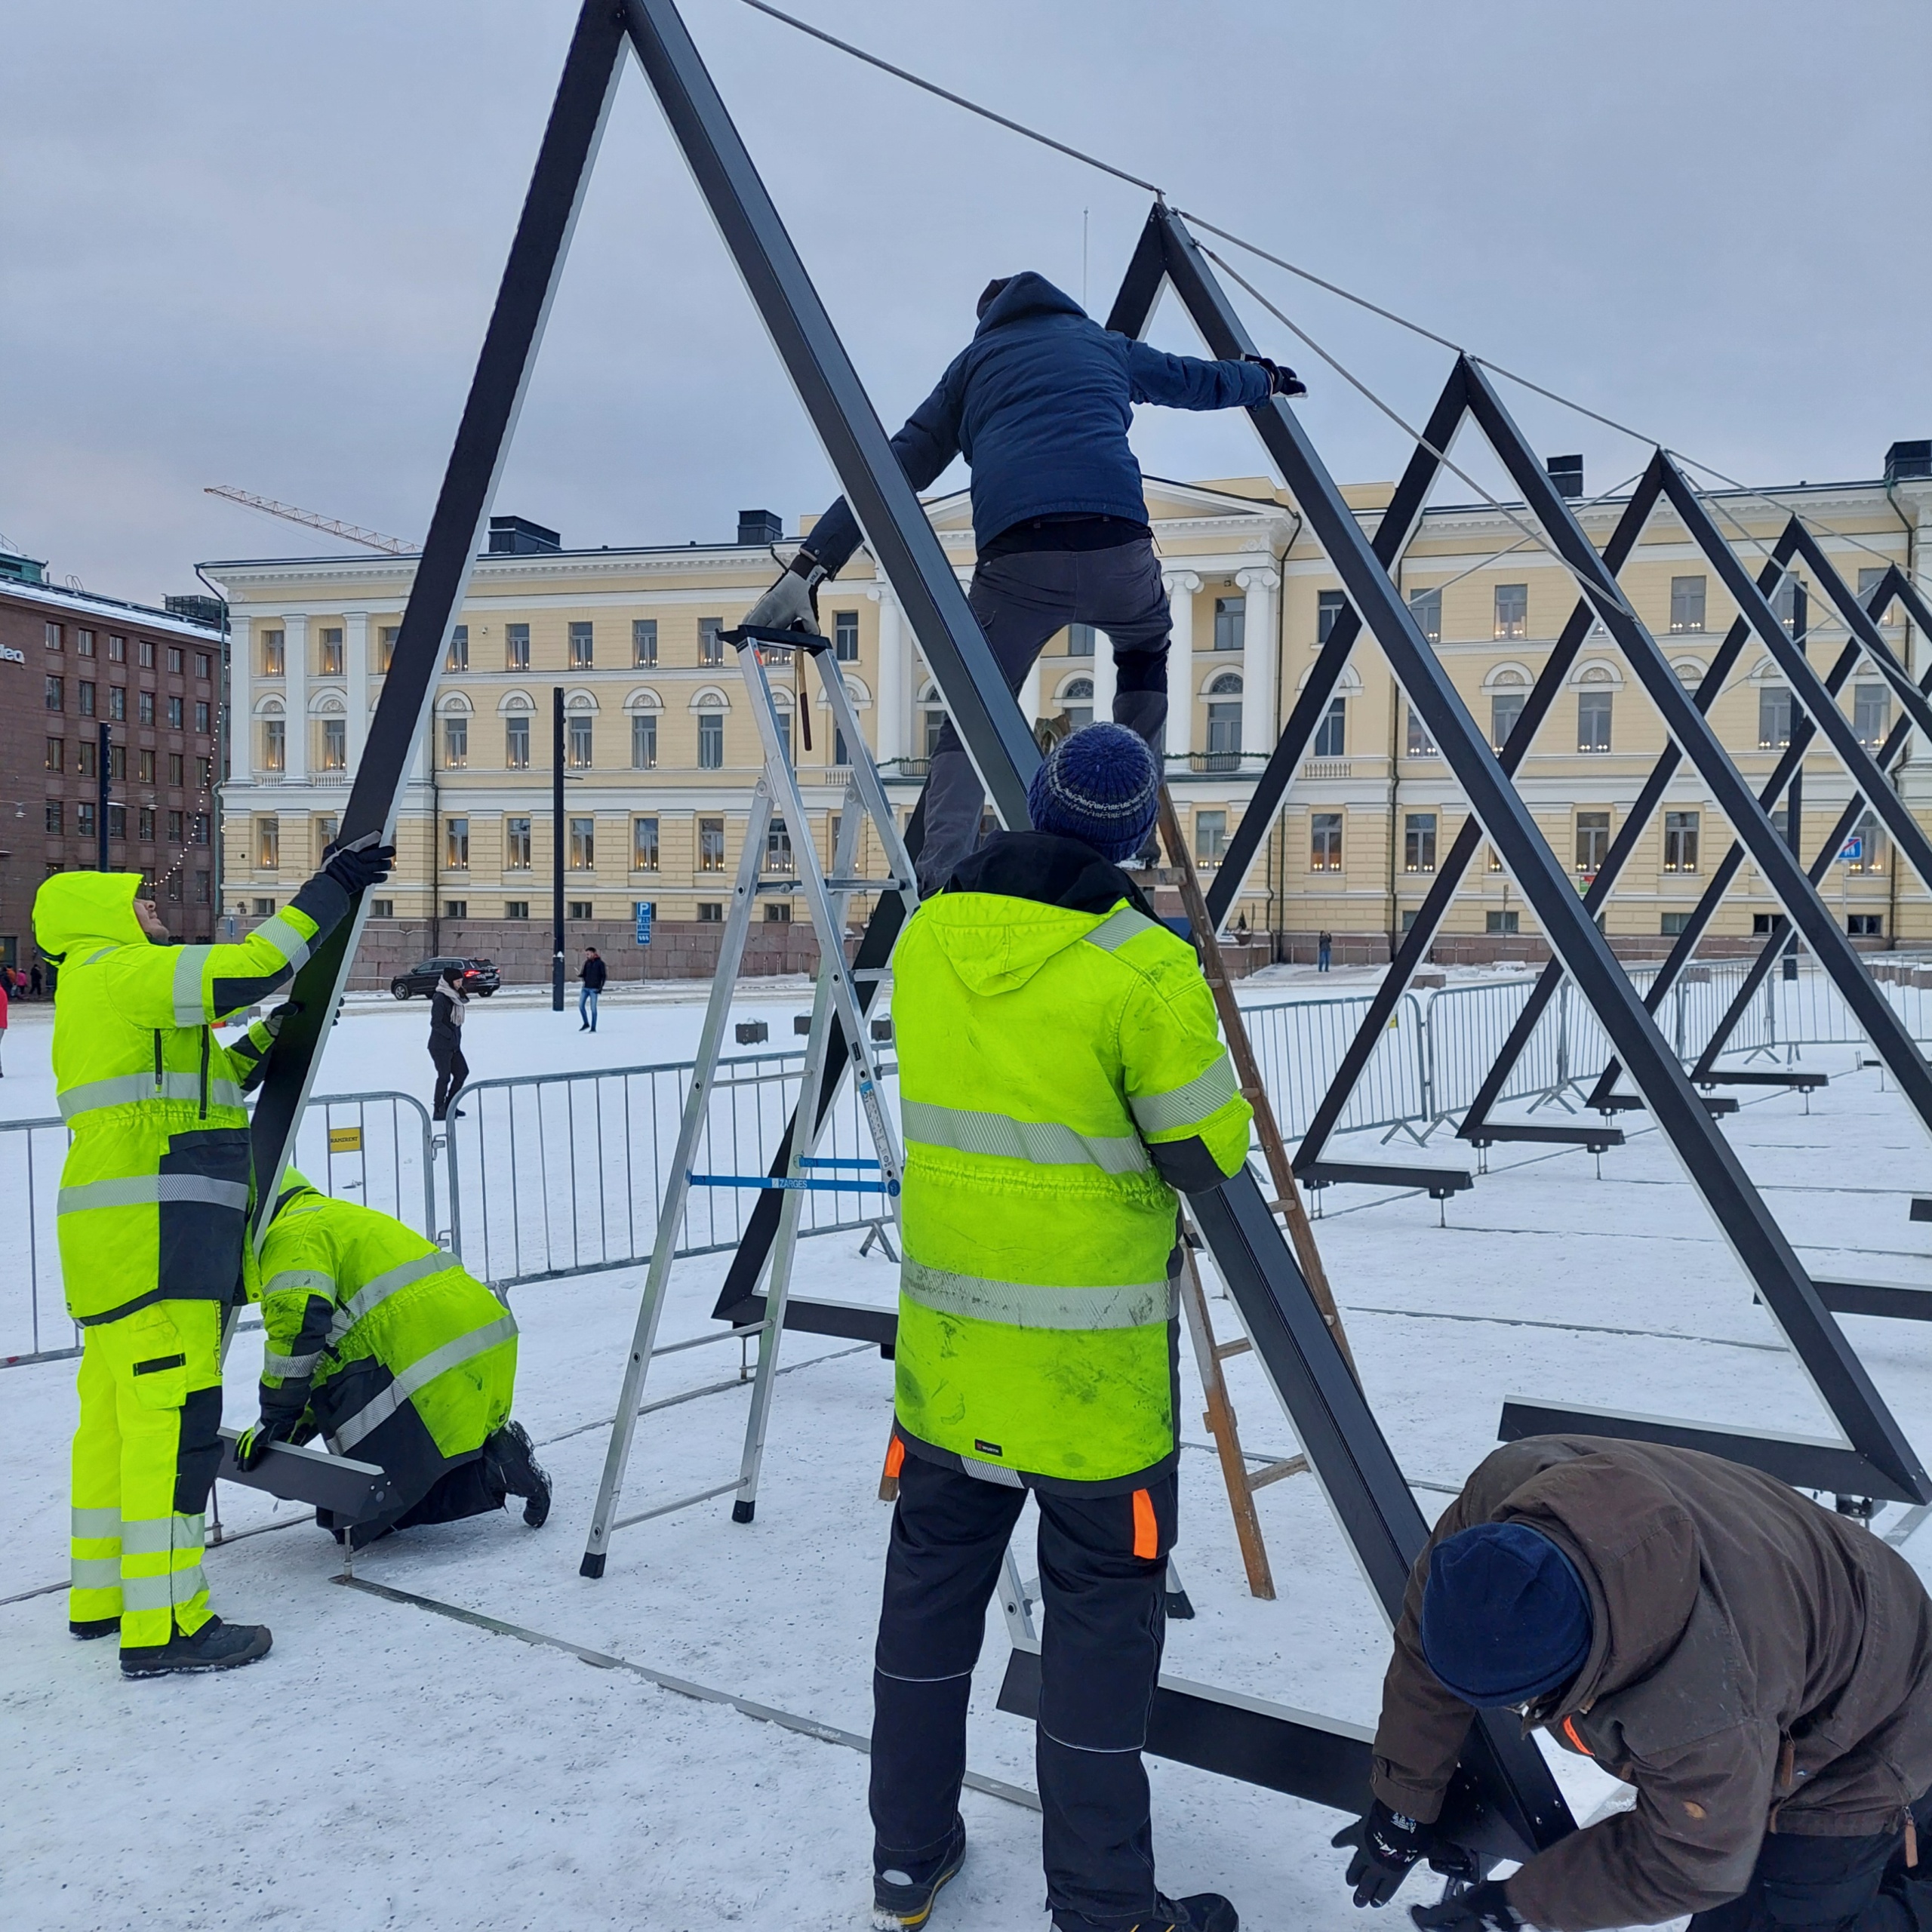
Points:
[645,908]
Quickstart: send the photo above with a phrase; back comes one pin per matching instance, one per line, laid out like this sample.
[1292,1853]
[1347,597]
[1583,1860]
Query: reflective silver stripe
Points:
[130,1088]
[190,1002]
[991,1472]
[286,940]
[1117,929]
[289,1279]
[419,1375]
[1184,1106]
[150,1536]
[1020,1305]
[101,954]
[382,1286]
[290,1368]
[1046,1144]
[97,1523]
[94,1573]
[145,1190]
[162,1593]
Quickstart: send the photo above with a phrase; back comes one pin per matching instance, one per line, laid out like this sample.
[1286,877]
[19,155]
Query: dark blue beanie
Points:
[1101,785]
[1505,1617]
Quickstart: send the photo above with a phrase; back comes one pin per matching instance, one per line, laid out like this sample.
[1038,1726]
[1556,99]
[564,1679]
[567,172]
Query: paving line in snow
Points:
[825,1733]
[1572,1327]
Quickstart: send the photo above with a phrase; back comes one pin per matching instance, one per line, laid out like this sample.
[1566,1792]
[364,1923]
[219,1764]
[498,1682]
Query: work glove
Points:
[1483,1908]
[357,867]
[792,603]
[1282,380]
[1386,1845]
[252,1448]
[277,1016]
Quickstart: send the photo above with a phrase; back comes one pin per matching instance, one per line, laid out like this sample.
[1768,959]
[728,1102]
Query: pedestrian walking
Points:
[6,984]
[593,975]
[1040,403]
[448,1005]
[33,980]
[1324,946]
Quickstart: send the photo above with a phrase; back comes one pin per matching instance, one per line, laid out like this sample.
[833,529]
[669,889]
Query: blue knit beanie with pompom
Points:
[1101,785]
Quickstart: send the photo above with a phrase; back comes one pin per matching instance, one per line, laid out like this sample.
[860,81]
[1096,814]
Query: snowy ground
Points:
[389,1766]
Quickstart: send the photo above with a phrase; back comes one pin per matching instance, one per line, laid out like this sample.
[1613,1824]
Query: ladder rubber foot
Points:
[592,1564]
[1179,1607]
[741,1512]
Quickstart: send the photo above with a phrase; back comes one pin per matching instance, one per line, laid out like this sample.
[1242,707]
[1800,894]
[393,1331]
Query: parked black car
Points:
[479,976]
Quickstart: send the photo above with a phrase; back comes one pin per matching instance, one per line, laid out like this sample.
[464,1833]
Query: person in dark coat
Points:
[1324,947]
[33,980]
[1039,403]
[593,975]
[448,1005]
[1759,1669]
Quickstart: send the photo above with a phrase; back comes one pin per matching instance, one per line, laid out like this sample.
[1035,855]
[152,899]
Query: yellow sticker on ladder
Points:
[345,1140]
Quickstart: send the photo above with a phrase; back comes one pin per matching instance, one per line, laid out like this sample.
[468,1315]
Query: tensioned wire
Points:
[1335,288]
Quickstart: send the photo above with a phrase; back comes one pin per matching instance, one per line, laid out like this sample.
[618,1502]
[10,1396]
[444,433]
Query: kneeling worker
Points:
[380,1342]
[1060,1077]
[1759,1669]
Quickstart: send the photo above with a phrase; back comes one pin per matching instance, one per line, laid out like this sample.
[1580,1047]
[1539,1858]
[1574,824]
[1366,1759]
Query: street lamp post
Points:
[556,848]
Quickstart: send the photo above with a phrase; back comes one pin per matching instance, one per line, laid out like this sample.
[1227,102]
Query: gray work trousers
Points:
[1021,600]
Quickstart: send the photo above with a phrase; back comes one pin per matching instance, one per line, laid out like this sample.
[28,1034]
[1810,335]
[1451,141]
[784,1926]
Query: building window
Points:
[197,829]
[711,741]
[1673,925]
[1501,925]
[117,647]
[1791,606]
[644,844]
[1419,842]
[710,641]
[1593,720]
[335,744]
[516,743]
[202,716]
[1774,717]
[203,773]
[268,845]
[56,755]
[177,660]
[1324,852]
[86,693]
[710,912]
[1868,836]
[582,648]
[1329,605]
[273,757]
[176,715]
[117,761]
[456,908]
[177,827]
[144,822]
[117,703]
[1331,735]
[644,741]
[1512,610]
[145,771]
[778,855]
[1426,607]
[516,845]
[456,844]
[456,743]
[1687,603]
[644,640]
[841,756]
[331,653]
[516,647]
[1076,701]
[777,912]
[456,657]
[55,694]
[582,909]
[264,909]
[86,763]
[1210,837]
[144,706]
[203,663]
[933,719]
[83,819]
[1870,714]
[54,815]
[1505,709]
[584,845]
[1080,640]
[1865,925]
[516,909]
[1418,743]
[177,766]
[1230,622]
[50,635]
[1680,841]
[579,743]
[147,654]
[202,893]
[845,636]
[710,845]
[1592,841]
[1224,727]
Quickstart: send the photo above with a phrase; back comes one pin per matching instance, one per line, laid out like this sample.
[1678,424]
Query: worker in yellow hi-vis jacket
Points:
[152,1216]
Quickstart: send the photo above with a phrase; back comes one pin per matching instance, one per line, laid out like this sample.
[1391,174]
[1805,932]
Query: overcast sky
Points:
[257,245]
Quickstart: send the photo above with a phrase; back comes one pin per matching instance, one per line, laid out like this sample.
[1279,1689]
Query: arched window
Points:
[932,717]
[1228,685]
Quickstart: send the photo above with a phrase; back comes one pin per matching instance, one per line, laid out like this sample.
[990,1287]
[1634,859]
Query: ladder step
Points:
[1224,1350]
[682,1502]
[1292,1465]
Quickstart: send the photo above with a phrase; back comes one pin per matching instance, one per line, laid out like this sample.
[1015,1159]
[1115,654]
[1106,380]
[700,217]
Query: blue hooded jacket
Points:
[1040,403]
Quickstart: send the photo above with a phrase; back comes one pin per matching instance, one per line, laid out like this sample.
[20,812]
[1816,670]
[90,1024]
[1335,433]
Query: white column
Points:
[1104,681]
[355,663]
[1029,695]
[1181,586]
[295,691]
[240,696]
[889,710]
[1257,656]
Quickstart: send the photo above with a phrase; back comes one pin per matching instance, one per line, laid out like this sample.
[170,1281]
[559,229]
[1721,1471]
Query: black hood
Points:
[1049,869]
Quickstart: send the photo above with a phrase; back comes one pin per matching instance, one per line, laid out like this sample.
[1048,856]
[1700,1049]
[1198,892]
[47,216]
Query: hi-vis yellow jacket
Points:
[1060,1074]
[155,1194]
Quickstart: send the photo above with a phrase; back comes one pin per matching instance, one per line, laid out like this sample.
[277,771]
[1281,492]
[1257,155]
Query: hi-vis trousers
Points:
[145,1455]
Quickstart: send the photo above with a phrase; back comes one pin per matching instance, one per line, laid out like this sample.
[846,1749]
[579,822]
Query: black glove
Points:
[1386,1845]
[252,1448]
[1282,380]
[1483,1908]
[355,868]
[277,1016]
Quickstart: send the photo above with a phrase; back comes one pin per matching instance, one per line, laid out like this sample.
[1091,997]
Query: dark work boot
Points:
[903,1896]
[512,1466]
[1205,1911]
[94,1626]
[215,1646]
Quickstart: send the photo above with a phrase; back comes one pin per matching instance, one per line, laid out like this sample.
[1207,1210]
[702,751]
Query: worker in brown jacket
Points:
[1759,1669]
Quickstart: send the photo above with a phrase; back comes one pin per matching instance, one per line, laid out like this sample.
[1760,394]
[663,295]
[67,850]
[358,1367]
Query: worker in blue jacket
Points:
[1039,403]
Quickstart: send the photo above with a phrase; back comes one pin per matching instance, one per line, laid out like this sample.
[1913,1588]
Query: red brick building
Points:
[70,662]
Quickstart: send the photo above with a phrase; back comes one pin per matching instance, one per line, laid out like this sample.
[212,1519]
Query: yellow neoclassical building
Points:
[660,755]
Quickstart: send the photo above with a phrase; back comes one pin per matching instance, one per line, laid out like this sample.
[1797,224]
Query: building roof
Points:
[87,603]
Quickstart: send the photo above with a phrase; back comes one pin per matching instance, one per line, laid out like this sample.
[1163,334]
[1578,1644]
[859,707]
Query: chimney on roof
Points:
[1908,462]
[1567,473]
[517,536]
[760,526]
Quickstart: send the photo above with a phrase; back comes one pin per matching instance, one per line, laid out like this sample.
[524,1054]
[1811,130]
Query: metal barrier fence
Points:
[376,1148]
[564,1174]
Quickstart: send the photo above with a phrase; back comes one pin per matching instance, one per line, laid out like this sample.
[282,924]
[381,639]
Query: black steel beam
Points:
[1886,1298]
[351,1490]
[442,573]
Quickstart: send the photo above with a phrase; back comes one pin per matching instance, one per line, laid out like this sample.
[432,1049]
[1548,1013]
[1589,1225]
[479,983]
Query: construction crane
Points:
[373,540]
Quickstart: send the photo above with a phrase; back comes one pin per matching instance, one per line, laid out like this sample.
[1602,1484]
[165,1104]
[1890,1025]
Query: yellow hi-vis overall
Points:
[152,1213]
